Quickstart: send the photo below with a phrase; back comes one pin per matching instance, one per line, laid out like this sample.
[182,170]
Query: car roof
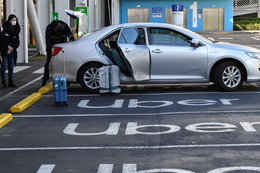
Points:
[146,25]
[96,35]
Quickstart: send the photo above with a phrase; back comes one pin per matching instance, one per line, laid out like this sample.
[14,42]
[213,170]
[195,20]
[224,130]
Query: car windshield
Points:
[198,35]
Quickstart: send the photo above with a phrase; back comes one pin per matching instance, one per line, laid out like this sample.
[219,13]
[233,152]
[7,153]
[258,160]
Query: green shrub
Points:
[247,24]
[31,46]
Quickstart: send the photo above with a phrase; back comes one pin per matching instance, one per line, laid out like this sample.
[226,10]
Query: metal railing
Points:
[246,4]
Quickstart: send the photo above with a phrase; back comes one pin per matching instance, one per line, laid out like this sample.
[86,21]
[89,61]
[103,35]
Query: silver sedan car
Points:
[155,53]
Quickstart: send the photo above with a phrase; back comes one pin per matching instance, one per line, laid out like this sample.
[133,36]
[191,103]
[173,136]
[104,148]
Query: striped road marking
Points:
[256,38]
[19,68]
[40,71]
[46,168]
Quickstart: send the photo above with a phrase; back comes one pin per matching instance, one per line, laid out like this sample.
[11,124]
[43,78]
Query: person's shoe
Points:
[4,84]
[11,84]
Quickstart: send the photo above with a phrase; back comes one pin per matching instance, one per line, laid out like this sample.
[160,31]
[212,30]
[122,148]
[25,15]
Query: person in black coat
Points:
[56,32]
[9,42]
[17,31]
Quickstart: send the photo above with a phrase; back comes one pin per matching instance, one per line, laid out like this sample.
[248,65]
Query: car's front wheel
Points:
[229,76]
[89,77]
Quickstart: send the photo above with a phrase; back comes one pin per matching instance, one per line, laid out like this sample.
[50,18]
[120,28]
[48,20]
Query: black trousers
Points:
[46,74]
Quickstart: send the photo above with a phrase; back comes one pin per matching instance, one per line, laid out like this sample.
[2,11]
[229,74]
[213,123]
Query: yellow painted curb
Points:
[5,118]
[25,103]
[45,89]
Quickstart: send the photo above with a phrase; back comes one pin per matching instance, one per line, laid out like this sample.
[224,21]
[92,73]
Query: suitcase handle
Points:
[64,72]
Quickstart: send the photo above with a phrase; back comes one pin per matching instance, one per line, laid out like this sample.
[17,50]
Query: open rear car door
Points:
[135,51]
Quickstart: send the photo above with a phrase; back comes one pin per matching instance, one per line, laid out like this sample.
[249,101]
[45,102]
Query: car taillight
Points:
[55,50]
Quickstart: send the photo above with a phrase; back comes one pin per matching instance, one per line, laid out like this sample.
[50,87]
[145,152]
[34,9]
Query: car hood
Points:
[237,47]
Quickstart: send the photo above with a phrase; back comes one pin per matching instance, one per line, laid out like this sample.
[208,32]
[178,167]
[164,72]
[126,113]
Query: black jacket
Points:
[9,37]
[61,36]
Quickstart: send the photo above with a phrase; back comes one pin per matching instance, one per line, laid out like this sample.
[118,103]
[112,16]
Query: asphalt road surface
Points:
[145,129]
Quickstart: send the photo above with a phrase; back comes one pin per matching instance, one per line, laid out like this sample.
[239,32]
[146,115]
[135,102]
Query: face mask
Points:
[13,23]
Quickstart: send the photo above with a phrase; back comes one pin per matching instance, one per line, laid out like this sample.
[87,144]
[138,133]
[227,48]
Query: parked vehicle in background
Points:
[156,53]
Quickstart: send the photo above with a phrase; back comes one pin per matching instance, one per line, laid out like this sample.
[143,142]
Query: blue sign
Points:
[177,7]
[157,10]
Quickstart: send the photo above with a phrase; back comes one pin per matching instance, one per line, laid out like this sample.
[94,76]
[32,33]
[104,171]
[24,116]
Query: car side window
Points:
[163,36]
[107,43]
[132,36]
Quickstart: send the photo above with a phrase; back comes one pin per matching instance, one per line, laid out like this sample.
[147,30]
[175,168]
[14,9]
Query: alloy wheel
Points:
[91,78]
[231,76]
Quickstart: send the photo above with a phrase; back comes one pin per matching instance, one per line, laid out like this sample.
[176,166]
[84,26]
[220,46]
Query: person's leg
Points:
[46,74]
[3,69]
[15,56]
[10,60]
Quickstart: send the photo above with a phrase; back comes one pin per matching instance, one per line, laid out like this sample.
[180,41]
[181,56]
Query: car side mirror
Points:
[212,39]
[195,42]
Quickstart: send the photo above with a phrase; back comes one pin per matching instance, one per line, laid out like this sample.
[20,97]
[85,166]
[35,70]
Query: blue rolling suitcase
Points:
[60,90]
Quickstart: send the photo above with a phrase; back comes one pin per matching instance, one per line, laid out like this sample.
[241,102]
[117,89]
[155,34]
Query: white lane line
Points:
[158,94]
[46,168]
[132,147]
[133,114]
[22,87]
[39,71]
[226,38]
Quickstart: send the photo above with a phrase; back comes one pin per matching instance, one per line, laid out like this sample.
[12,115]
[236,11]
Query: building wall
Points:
[226,4]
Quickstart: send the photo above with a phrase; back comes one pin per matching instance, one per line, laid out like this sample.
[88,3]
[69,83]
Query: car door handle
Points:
[157,51]
[127,50]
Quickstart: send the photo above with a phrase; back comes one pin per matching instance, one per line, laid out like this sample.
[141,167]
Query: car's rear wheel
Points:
[89,77]
[229,76]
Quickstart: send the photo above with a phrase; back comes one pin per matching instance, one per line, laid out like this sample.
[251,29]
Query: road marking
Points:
[39,71]
[131,147]
[22,87]
[235,168]
[136,114]
[255,38]
[226,38]
[105,168]
[132,168]
[112,130]
[19,68]
[159,94]
[46,168]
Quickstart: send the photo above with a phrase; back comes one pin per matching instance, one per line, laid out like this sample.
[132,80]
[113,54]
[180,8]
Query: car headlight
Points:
[254,54]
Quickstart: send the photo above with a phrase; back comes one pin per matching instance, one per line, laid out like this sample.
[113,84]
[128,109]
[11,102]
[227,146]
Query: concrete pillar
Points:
[103,5]
[35,27]
[60,7]
[19,8]
[91,15]
[43,13]
[258,13]
[98,14]
[24,38]
[115,10]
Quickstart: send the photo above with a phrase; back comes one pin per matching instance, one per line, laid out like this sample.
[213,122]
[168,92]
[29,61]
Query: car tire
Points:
[229,76]
[89,78]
